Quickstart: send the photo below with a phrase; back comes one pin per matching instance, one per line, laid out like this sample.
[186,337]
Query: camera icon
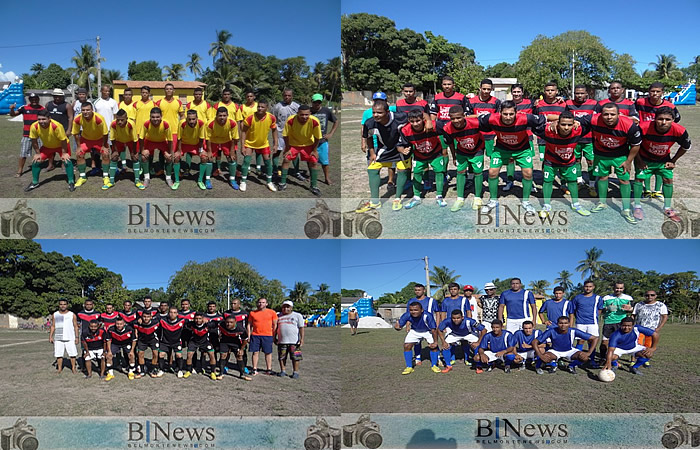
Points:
[21,221]
[364,432]
[679,432]
[321,220]
[321,435]
[20,436]
[689,224]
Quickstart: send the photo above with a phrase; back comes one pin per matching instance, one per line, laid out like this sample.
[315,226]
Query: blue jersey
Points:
[424,322]
[467,327]
[429,304]
[497,343]
[520,339]
[517,303]
[587,309]
[563,342]
[555,310]
[627,341]
[461,303]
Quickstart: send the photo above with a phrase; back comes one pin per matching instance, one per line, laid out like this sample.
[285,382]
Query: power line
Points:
[394,279]
[48,43]
[381,264]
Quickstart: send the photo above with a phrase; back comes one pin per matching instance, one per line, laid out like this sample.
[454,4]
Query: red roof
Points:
[160,84]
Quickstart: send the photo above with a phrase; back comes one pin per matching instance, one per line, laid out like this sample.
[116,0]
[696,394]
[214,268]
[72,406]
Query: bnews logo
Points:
[503,215]
[152,217]
[502,430]
[150,432]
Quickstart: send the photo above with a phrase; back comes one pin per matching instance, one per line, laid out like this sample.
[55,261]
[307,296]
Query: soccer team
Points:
[476,324]
[113,131]
[612,135]
[175,337]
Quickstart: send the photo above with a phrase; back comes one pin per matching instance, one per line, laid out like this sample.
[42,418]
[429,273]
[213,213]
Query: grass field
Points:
[30,386]
[354,165]
[671,384]
[53,184]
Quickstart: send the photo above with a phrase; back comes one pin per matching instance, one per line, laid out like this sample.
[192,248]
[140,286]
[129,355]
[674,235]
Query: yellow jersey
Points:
[234,111]
[258,130]
[143,113]
[93,129]
[171,111]
[191,135]
[161,133]
[204,110]
[51,136]
[302,135]
[125,134]
[248,110]
[220,134]
[130,110]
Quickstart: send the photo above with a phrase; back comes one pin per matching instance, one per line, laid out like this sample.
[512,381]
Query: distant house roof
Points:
[160,84]
[504,80]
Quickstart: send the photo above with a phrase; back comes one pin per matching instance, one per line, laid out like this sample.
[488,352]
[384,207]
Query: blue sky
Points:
[309,28]
[151,263]
[498,31]
[480,261]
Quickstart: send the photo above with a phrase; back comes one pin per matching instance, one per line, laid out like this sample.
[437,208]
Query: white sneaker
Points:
[180,374]
[243,186]
[271,186]
[508,186]
[528,207]
[489,206]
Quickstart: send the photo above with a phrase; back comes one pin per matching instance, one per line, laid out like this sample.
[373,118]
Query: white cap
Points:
[288,302]
[489,286]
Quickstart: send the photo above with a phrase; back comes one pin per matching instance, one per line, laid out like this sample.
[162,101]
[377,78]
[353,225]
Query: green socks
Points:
[176,168]
[573,188]
[439,182]
[36,169]
[286,171]
[527,186]
[401,177]
[245,167]
[81,170]
[603,190]
[137,171]
[314,177]
[209,169]
[202,171]
[112,171]
[547,189]
[637,190]
[461,182]
[268,170]
[231,170]
[418,183]
[625,190]
[478,184]
[493,188]
[69,172]
[668,194]
[374,181]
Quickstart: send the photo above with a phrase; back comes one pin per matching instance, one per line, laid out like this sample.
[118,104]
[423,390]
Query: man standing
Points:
[289,338]
[554,308]
[85,316]
[234,113]
[93,131]
[353,318]
[650,313]
[452,302]
[282,111]
[255,129]
[143,108]
[156,134]
[106,106]
[205,113]
[523,105]
[587,307]
[29,113]
[109,317]
[128,314]
[171,333]
[579,106]
[222,138]
[262,326]
[191,143]
[199,341]
[147,337]
[484,104]
[61,112]
[324,115]
[129,105]
[64,335]
[232,339]
[123,138]
[302,136]
[474,308]
[550,106]
[53,140]
[616,95]
[489,304]
[120,339]
[429,306]
[241,317]
[519,305]
[615,308]
[172,110]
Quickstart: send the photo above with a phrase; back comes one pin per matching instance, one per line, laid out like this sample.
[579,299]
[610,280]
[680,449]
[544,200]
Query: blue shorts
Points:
[257,342]
[323,154]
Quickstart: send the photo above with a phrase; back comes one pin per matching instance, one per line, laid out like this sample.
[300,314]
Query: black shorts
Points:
[288,349]
[214,339]
[205,347]
[166,347]
[153,344]
[609,329]
[229,346]
[116,349]
[353,323]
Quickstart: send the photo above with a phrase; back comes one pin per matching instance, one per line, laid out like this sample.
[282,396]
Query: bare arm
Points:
[75,329]
[500,311]
[52,330]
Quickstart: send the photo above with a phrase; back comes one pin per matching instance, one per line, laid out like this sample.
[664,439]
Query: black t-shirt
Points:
[387,136]
[59,113]
[200,333]
[325,115]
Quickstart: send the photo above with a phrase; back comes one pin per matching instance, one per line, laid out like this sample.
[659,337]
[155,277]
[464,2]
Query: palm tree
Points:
[37,68]
[109,76]
[665,65]
[173,72]
[440,277]
[319,68]
[85,62]
[300,291]
[193,64]
[539,287]
[564,280]
[333,74]
[225,77]
[217,48]
[478,292]
[590,267]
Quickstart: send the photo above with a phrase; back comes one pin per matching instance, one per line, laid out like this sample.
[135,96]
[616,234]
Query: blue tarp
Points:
[13,94]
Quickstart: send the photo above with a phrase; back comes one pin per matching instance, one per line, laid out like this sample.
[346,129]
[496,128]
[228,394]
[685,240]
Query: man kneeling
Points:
[625,341]
[563,339]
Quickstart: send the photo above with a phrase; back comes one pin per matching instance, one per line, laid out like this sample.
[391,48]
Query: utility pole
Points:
[99,68]
[427,276]
[573,73]
[228,293]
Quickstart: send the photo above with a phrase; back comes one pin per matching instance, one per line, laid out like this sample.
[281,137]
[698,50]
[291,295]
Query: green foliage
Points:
[501,70]
[173,72]
[591,266]
[440,278]
[110,75]
[467,75]
[401,296]
[144,71]
[539,287]
[351,292]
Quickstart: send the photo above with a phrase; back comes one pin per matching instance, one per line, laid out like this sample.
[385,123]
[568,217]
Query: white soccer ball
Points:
[606,375]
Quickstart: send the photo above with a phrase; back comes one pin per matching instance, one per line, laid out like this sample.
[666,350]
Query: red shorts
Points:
[88,145]
[47,153]
[120,146]
[262,151]
[174,140]
[190,148]
[151,146]
[225,148]
[304,152]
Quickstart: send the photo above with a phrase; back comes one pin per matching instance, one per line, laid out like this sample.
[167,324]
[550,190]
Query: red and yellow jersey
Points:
[219,134]
[191,135]
[143,113]
[125,134]
[234,111]
[302,135]
[130,110]
[93,129]
[171,111]
[51,136]
[161,133]
[204,110]
[258,130]
[248,110]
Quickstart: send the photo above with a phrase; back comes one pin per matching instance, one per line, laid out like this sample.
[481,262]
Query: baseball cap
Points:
[33,95]
[58,91]
[317,98]
[468,287]
[82,91]
[379,95]
[288,302]
[489,286]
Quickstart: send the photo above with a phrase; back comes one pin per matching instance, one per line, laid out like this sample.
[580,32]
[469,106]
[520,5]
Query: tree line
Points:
[32,281]
[378,56]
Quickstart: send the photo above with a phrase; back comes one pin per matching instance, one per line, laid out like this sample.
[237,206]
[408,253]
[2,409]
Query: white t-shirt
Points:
[288,327]
[106,108]
[64,326]
[649,314]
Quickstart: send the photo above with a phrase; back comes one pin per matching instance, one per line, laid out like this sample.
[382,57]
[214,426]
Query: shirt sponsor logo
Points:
[658,149]
[510,139]
[610,142]
[467,143]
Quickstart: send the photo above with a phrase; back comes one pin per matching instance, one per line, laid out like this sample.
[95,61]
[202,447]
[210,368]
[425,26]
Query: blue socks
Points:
[614,363]
[434,357]
[538,362]
[575,363]
[447,355]
[408,356]
[417,350]
[640,362]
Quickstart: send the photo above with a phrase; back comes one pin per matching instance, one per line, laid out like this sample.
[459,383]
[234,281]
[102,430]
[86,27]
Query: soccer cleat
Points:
[247,378]
[407,370]
[580,209]
[243,186]
[81,181]
[138,375]
[105,180]
[219,376]
[109,377]
[299,176]
[453,362]
[539,371]
[627,215]
[545,211]
[316,191]
[479,370]
[446,369]
[282,374]
[294,376]
[175,186]
[636,371]
[440,201]
[671,214]
[71,187]
[528,206]
[86,376]
[180,374]
[506,369]
[107,185]
[271,186]
[212,376]
[508,186]
[169,181]
[489,206]
[521,367]
[467,363]
[282,187]
[638,213]
[571,370]
[599,207]
[207,183]
[647,364]
[457,205]
[187,374]
[160,374]
[146,182]
[489,368]
[436,369]
[477,203]
[396,204]
[233,184]
[140,185]
[367,206]
[31,187]
[552,369]
[657,195]
[201,185]
[131,375]
[413,203]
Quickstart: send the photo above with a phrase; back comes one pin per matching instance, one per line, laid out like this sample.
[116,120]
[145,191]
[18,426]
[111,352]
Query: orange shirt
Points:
[261,322]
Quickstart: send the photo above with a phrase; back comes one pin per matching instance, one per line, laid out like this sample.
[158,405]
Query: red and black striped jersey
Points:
[559,150]
[108,320]
[147,332]
[150,310]
[212,320]
[426,145]
[441,105]
[586,108]
[511,138]
[187,315]
[616,140]
[84,318]
[469,139]
[121,337]
[647,110]
[96,340]
[240,315]
[419,105]
[200,333]
[542,107]
[129,317]
[236,333]
[525,107]
[171,330]
[656,146]
[482,107]
[29,116]
[625,106]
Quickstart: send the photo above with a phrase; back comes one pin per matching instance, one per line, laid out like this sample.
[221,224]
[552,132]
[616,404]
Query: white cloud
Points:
[7,76]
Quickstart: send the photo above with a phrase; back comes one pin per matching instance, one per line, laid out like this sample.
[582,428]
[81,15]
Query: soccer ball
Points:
[606,375]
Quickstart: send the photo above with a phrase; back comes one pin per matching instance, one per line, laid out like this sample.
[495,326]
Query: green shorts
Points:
[489,146]
[438,164]
[603,164]
[475,163]
[542,149]
[566,173]
[532,148]
[586,149]
[522,158]
[653,168]
[444,143]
